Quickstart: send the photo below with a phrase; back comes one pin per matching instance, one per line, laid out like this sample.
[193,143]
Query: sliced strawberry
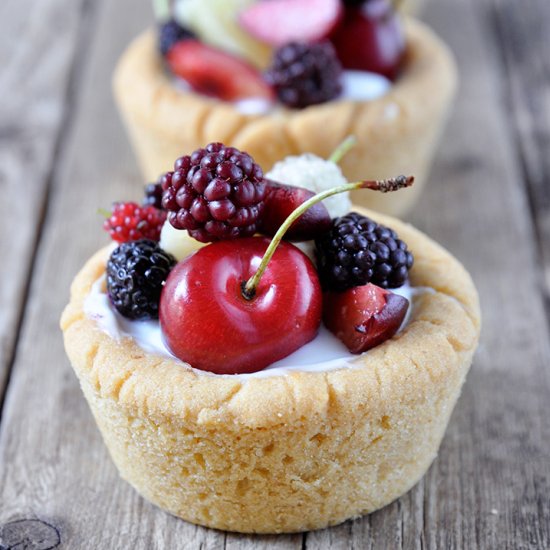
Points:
[364,316]
[281,200]
[212,72]
[278,22]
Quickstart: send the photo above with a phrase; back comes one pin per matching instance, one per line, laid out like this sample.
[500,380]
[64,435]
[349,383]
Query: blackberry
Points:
[153,195]
[216,193]
[136,272]
[305,74]
[170,33]
[357,250]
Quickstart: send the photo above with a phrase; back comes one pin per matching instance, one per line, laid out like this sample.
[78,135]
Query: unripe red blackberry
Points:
[357,251]
[216,193]
[305,74]
[130,222]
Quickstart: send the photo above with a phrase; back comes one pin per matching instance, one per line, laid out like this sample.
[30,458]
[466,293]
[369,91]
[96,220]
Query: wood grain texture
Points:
[489,486]
[524,40]
[38,44]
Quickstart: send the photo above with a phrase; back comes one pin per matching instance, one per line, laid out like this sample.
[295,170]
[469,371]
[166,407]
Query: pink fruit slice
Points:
[215,73]
[281,200]
[278,22]
[364,316]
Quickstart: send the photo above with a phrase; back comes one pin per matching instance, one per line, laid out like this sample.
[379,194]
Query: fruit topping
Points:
[136,272]
[278,22]
[216,24]
[371,38]
[130,222]
[357,251]
[216,193]
[316,174]
[237,306]
[305,74]
[363,316]
[153,195]
[170,33]
[281,200]
[215,73]
[207,322]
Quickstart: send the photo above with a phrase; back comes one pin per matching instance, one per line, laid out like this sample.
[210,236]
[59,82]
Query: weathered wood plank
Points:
[38,43]
[524,40]
[485,490]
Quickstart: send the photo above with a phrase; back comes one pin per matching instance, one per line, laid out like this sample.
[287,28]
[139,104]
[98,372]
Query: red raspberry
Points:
[131,222]
[216,193]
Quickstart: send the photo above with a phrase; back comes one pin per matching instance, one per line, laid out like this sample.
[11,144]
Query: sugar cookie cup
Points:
[283,453]
[397,133]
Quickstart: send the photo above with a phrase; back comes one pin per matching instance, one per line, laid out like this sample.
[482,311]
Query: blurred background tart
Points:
[236,71]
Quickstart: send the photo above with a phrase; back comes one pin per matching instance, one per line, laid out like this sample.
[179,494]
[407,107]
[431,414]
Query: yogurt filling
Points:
[324,353]
[356,86]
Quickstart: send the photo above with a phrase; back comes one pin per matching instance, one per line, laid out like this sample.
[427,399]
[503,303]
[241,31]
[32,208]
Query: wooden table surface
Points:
[63,153]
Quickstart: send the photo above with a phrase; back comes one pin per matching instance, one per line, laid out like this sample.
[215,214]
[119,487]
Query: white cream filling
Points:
[356,86]
[324,353]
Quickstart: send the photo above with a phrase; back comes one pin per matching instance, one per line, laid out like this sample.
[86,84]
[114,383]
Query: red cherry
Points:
[371,38]
[364,316]
[281,200]
[279,22]
[207,322]
[215,73]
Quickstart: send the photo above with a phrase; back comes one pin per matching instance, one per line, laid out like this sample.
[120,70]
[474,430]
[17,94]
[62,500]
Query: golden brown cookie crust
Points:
[285,453]
[396,134]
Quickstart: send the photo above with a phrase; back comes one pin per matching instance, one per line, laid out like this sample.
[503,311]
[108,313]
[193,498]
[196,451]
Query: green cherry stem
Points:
[343,149]
[384,186]
[104,212]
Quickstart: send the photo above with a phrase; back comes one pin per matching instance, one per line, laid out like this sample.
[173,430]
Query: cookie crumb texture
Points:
[288,453]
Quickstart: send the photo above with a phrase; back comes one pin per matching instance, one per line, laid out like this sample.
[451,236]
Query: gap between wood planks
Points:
[524,95]
[87,22]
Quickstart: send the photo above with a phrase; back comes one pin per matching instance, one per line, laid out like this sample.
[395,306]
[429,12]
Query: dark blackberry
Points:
[357,250]
[153,195]
[305,74]
[216,193]
[170,33]
[136,272]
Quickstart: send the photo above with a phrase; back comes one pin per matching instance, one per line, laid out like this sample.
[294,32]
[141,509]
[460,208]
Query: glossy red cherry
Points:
[371,38]
[364,316]
[281,200]
[207,322]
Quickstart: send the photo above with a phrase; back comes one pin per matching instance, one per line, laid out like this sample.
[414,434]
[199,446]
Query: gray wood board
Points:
[38,49]
[524,38]
[489,486]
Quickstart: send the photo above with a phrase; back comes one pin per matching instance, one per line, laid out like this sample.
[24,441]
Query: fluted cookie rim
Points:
[430,65]
[442,334]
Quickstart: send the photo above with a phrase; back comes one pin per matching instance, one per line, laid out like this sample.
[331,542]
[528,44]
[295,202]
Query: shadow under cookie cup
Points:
[397,133]
[286,453]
